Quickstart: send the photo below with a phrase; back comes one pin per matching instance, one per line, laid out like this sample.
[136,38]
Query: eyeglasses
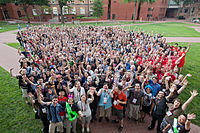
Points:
[55,100]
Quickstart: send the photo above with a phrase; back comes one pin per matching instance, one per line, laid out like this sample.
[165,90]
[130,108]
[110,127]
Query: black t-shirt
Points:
[160,106]
[74,107]
[21,83]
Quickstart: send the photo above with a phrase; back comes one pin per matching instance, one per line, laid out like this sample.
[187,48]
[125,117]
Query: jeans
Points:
[154,119]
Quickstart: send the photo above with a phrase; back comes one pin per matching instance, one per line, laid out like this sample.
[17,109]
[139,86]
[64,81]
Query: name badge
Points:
[170,131]
[169,113]
[105,100]
[115,102]
[44,110]
[134,101]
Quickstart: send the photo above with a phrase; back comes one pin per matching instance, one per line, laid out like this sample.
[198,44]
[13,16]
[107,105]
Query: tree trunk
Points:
[138,11]
[61,14]
[26,13]
[134,11]
[109,6]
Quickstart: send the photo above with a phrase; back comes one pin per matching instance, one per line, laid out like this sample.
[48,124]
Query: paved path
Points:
[183,39]
[9,58]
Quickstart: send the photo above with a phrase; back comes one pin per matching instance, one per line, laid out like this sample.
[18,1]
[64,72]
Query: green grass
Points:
[169,29]
[15,45]
[9,27]
[192,66]
[15,115]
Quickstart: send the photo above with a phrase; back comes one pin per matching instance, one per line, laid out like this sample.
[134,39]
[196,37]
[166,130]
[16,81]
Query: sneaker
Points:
[35,111]
[88,129]
[107,119]
[120,129]
[83,130]
[100,119]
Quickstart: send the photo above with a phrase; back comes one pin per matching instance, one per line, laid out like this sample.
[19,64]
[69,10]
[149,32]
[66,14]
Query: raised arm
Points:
[193,94]
[11,72]
[183,87]
[188,48]
[188,121]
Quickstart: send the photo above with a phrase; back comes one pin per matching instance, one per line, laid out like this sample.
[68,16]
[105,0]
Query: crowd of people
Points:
[72,74]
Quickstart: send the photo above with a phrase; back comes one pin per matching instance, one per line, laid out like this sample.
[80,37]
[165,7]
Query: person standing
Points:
[105,102]
[136,101]
[53,114]
[120,100]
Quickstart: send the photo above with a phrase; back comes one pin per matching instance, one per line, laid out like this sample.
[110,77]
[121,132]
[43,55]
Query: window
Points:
[47,11]
[55,11]
[34,12]
[185,10]
[82,10]
[73,10]
[65,10]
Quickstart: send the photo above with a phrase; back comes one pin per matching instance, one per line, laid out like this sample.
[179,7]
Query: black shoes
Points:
[107,119]
[120,129]
[100,119]
[129,118]
[150,128]
[115,121]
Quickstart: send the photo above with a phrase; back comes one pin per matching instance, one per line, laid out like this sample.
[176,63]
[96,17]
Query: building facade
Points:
[113,10]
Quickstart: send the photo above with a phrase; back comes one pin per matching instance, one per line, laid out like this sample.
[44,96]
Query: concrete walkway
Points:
[9,58]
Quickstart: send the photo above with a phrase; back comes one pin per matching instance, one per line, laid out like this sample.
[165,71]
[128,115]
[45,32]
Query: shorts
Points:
[86,119]
[118,113]
[146,109]
[24,93]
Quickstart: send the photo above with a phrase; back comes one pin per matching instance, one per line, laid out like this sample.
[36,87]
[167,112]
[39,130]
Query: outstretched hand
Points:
[191,116]
[194,93]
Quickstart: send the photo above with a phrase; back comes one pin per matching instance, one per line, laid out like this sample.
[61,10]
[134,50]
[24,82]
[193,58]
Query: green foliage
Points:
[3,2]
[97,8]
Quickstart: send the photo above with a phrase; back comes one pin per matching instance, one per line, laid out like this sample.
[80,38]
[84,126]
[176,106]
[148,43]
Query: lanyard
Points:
[78,93]
[82,107]
[105,94]
[69,112]
[157,101]
[137,94]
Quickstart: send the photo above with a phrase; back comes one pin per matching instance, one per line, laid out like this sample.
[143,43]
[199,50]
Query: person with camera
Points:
[105,102]
[85,108]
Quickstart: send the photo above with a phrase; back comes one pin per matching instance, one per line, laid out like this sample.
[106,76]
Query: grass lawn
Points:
[15,115]
[15,45]
[169,29]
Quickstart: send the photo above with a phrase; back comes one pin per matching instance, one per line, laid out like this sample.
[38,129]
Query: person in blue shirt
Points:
[105,102]
[155,86]
[54,114]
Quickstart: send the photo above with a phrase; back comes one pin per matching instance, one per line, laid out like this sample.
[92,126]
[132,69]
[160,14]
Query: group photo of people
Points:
[73,76]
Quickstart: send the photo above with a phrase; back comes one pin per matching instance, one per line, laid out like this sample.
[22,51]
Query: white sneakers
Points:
[88,130]
[83,129]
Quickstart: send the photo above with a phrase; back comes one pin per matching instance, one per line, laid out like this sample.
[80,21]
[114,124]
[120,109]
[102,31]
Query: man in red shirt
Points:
[119,100]
[64,99]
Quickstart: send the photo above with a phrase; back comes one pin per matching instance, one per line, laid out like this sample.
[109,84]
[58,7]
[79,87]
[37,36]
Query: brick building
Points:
[113,10]
[125,11]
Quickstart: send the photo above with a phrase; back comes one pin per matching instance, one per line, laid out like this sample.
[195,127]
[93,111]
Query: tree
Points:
[140,2]
[61,4]
[97,8]
[25,4]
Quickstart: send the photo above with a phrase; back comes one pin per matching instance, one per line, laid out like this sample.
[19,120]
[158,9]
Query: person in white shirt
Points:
[83,104]
[78,91]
